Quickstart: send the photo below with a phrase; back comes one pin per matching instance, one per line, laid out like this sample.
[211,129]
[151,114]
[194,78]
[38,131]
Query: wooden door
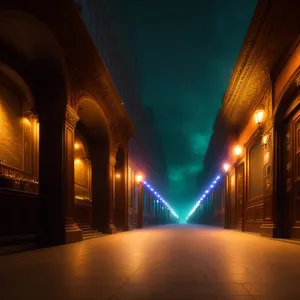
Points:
[290,199]
[240,195]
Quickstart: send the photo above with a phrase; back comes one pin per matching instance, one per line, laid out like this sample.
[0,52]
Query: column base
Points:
[111,229]
[295,234]
[268,230]
[126,228]
[72,233]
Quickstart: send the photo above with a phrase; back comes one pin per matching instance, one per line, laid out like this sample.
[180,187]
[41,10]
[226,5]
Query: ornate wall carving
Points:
[292,106]
[71,116]
[269,36]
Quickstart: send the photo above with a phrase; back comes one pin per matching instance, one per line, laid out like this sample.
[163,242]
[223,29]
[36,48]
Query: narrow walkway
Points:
[178,262]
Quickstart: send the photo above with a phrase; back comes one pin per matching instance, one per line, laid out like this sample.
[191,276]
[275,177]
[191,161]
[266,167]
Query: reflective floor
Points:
[178,262]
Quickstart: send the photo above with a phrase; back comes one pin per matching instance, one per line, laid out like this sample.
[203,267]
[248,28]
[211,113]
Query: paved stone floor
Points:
[172,262]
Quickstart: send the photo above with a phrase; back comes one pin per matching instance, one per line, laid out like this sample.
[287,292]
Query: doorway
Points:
[82,184]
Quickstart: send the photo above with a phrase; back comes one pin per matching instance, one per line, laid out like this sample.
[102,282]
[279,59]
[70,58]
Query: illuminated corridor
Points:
[169,262]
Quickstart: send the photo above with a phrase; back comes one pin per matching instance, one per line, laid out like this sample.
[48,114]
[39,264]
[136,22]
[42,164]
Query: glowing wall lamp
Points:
[139,179]
[77,161]
[76,146]
[258,117]
[265,140]
[26,121]
[226,167]
[118,175]
[238,151]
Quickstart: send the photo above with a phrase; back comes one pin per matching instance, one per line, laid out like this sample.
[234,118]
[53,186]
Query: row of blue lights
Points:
[160,199]
[204,196]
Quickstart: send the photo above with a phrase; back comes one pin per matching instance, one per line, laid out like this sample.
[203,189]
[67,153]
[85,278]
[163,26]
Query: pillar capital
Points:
[88,160]
[29,114]
[112,161]
[71,116]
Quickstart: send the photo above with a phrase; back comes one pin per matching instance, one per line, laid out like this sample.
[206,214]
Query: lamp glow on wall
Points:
[77,161]
[258,116]
[238,151]
[159,199]
[118,175]
[139,178]
[26,121]
[226,167]
[205,194]
[265,140]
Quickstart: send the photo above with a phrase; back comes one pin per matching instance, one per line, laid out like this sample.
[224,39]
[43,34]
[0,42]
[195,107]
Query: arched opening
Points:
[19,147]
[287,164]
[82,184]
[29,48]
[92,179]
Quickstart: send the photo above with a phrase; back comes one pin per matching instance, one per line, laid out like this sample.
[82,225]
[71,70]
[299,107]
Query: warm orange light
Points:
[265,140]
[226,167]
[118,175]
[26,121]
[258,116]
[238,151]
[76,146]
[139,178]
[77,161]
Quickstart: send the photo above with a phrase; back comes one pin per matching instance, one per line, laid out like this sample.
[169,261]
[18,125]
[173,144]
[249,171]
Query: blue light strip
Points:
[159,198]
[211,186]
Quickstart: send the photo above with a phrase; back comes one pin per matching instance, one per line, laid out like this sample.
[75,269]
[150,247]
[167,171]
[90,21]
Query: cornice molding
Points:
[245,60]
[272,32]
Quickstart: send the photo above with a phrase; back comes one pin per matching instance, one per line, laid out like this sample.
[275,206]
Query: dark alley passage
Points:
[168,262]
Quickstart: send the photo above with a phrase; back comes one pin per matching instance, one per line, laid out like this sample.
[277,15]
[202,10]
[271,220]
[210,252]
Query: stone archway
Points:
[93,126]
[82,184]
[29,48]
[19,139]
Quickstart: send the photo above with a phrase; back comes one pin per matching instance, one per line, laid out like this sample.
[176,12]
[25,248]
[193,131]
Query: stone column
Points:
[227,203]
[72,231]
[89,167]
[140,207]
[159,213]
[57,176]
[111,199]
[125,188]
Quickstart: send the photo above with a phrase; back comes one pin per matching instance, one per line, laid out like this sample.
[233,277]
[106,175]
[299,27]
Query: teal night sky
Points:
[186,51]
